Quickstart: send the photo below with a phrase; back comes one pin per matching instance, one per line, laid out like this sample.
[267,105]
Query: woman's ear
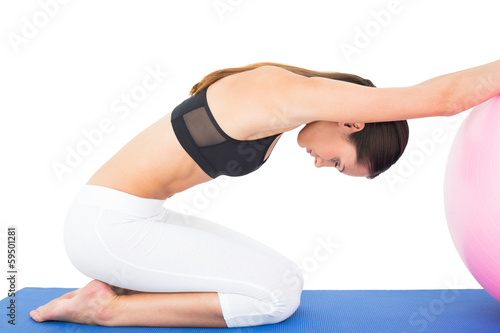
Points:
[352,127]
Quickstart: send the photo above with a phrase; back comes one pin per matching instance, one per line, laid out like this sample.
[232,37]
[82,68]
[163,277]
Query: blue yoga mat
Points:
[400,311]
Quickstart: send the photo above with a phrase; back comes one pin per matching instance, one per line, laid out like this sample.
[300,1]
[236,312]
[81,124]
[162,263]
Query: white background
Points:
[67,74]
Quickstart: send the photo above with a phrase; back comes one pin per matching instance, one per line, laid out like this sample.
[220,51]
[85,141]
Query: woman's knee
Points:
[289,295]
[244,311]
[270,306]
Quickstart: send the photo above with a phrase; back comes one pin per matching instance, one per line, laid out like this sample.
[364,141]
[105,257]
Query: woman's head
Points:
[380,145]
[374,146]
[355,149]
[328,142]
[368,149]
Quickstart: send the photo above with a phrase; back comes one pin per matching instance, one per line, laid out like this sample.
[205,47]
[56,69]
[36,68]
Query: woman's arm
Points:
[304,100]
[473,86]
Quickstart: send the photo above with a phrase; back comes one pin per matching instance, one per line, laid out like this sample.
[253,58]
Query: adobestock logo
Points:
[363,36]
[121,107]
[417,157]
[39,20]
[323,251]
[428,313]
[222,7]
[203,195]
[411,160]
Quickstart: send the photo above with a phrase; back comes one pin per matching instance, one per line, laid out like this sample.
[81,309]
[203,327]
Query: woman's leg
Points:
[184,261]
[98,304]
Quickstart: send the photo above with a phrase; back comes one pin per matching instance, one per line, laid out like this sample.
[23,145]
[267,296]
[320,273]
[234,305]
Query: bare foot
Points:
[87,305]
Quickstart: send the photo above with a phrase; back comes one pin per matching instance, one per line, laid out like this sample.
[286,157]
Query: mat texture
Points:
[456,311]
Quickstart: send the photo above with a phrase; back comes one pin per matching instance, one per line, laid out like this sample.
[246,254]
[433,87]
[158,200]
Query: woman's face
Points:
[327,142]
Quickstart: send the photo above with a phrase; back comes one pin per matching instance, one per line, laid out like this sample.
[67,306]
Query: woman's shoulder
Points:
[248,105]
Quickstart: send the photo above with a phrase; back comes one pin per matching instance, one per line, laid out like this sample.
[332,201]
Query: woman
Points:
[157,267]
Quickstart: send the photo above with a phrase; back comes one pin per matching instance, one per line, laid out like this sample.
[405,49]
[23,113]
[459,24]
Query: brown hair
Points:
[217,75]
[378,145]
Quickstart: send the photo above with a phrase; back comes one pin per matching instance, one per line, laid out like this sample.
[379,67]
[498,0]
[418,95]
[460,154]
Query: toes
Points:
[40,314]
[35,315]
[50,311]
[77,306]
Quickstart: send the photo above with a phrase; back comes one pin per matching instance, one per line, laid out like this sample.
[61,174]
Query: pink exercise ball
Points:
[472,194]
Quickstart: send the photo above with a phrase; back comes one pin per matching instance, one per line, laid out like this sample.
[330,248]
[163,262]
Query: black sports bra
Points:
[209,146]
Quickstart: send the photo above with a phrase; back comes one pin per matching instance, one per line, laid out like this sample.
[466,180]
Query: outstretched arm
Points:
[472,86]
[305,100]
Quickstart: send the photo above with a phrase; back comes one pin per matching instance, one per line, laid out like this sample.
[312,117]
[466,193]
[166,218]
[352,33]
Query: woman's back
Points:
[155,165]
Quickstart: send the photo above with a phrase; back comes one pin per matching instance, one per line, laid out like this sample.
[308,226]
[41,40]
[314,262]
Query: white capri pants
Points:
[135,243]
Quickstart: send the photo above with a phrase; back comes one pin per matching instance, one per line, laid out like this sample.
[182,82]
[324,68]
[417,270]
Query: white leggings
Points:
[136,243]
